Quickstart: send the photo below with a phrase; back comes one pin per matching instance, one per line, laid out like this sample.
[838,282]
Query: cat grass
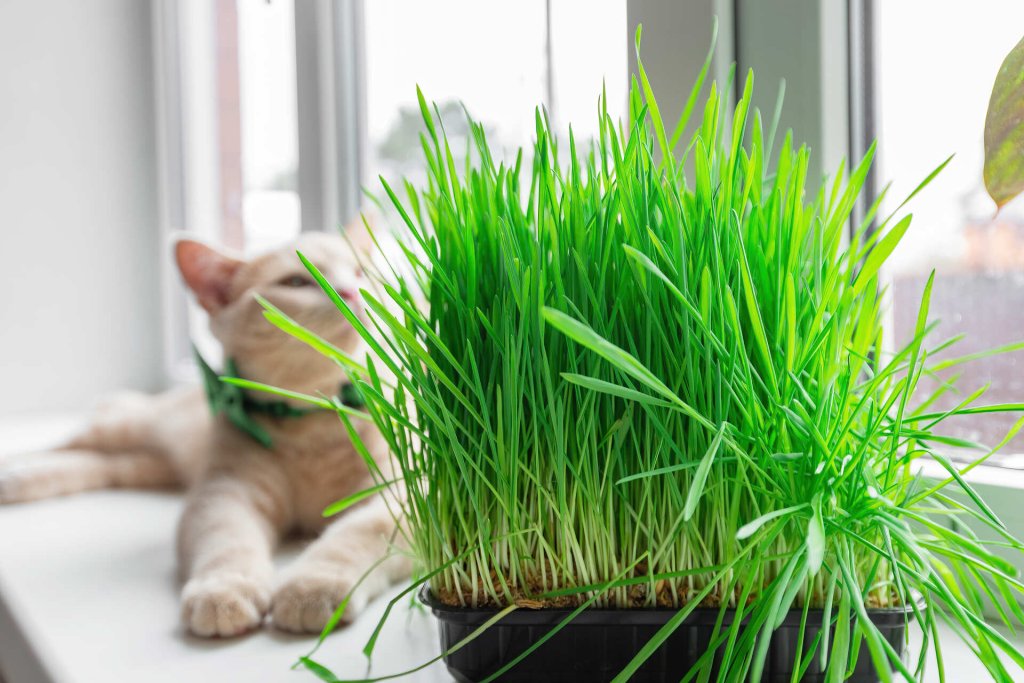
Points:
[652,371]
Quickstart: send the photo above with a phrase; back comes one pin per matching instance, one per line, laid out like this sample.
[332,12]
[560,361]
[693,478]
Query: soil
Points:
[527,598]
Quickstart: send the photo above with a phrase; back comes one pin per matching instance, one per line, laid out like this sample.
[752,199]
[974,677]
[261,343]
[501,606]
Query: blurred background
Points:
[248,121]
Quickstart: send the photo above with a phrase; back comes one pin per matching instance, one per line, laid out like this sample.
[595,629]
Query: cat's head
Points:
[225,285]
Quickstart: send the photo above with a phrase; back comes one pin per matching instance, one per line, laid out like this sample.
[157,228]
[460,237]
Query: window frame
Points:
[845,87]
[830,95]
[331,86]
[331,128]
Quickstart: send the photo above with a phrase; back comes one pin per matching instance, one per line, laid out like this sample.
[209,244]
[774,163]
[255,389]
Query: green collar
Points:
[239,407]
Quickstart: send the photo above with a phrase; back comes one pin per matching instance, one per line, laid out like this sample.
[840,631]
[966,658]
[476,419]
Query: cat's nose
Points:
[347,293]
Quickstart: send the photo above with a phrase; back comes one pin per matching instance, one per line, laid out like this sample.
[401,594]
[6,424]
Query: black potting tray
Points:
[598,643]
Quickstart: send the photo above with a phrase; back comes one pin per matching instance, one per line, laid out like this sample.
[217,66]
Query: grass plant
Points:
[650,372]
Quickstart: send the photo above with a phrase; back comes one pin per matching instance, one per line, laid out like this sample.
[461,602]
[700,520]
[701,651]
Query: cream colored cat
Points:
[244,497]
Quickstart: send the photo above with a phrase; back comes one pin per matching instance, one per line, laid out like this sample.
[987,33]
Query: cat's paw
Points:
[308,596]
[224,605]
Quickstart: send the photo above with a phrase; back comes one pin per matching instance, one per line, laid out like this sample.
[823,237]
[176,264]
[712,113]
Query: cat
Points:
[244,497]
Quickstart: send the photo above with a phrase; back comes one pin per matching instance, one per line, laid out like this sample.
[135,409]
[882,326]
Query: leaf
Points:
[321,403]
[652,104]
[325,674]
[880,253]
[754,312]
[663,633]
[837,659]
[815,538]
[339,611]
[277,318]
[348,501]
[791,331]
[318,670]
[750,528]
[698,85]
[420,580]
[955,474]
[701,476]
[604,387]
[561,624]
[1004,130]
[624,361]
[924,183]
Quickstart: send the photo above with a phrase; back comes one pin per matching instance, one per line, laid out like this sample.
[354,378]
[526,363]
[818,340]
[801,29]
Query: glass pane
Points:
[936,63]
[589,41]
[494,59]
[269,155]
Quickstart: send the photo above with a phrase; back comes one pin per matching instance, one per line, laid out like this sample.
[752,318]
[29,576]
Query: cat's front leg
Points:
[225,540]
[328,570]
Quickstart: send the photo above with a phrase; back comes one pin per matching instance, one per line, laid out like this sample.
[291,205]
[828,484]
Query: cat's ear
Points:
[207,272]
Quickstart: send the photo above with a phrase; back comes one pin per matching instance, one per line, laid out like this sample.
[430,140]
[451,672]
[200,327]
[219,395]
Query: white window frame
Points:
[330,61]
[830,105]
[822,48]
[331,128]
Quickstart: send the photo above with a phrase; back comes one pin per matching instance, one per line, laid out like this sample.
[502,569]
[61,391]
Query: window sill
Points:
[1009,475]
[88,593]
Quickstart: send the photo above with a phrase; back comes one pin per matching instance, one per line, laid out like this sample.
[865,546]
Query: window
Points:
[933,91]
[238,76]
[226,84]
[499,60]
[269,129]
[238,133]
[239,79]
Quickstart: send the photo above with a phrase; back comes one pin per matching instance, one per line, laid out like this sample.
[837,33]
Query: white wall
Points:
[79,240]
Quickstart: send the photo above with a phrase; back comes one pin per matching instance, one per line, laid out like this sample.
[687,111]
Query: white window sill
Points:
[1010,475]
[88,593]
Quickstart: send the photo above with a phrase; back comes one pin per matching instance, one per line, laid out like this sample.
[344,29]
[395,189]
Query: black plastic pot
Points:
[598,643]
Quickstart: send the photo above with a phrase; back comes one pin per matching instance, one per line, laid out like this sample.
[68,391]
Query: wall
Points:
[79,241]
